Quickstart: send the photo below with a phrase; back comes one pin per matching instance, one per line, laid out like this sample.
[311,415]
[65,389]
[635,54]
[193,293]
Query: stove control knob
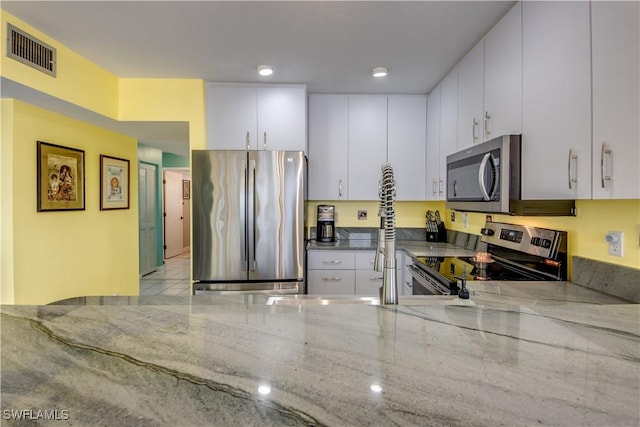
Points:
[487,231]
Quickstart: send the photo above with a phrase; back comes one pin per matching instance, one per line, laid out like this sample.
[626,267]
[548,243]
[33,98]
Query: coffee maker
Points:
[326,226]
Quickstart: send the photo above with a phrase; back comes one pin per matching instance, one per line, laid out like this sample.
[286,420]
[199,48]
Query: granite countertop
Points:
[523,353]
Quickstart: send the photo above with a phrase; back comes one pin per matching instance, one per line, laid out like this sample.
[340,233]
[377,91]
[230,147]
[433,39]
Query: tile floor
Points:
[170,279]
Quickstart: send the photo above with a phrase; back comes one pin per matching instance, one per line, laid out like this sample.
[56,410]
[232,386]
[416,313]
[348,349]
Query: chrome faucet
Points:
[389,291]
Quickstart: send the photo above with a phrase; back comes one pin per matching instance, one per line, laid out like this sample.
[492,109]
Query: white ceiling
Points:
[330,46]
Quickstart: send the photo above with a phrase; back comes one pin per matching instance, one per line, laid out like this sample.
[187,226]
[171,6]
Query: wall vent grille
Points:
[30,51]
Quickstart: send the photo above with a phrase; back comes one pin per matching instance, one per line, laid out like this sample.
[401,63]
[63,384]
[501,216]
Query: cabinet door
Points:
[231,114]
[331,282]
[406,144]
[470,98]
[503,76]
[282,118]
[328,146]
[433,147]
[368,283]
[448,125]
[616,150]
[334,260]
[556,107]
[367,144]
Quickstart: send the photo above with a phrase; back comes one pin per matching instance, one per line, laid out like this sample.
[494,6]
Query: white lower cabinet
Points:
[331,272]
[368,281]
[407,279]
[331,282]
[346,272]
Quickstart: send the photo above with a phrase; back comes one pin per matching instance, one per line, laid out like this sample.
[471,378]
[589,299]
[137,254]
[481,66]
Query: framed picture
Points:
[186,189]
[60,178]
[114,183]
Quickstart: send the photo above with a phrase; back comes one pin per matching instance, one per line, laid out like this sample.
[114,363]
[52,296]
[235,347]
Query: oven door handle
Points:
[417,274]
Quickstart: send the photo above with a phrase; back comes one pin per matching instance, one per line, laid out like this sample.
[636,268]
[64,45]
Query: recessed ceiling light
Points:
[380,71]
[265,70]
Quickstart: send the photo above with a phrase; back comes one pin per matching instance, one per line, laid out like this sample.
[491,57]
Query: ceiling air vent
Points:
[29,50]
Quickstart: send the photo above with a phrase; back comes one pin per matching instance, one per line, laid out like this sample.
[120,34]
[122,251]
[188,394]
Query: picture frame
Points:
[186,189]
[114,183]
[60,178]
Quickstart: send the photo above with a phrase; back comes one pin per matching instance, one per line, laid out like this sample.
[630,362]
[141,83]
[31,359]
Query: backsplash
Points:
[609,278]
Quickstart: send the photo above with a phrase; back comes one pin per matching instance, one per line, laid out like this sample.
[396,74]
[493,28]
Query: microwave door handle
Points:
[488,158]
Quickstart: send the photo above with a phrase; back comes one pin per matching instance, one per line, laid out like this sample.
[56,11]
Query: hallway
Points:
[170,279]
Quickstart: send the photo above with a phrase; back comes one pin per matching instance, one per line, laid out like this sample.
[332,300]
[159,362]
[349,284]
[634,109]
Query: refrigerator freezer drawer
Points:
[270,288]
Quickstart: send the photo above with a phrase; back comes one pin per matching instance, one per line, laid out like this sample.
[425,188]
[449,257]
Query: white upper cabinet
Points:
[470,98]
[282,118]
[490,84]
[406,144]
[448,125]
[433,147]
[367,144]
[352,136]
[231,115]
[556,144]
[503,76]
[616,135]
[328,146]
[256,117]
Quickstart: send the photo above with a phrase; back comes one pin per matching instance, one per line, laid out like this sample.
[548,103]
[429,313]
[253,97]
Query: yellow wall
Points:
[408,214]
[58,255]
[78,80]
[586,231]
[6,202]
[166,100]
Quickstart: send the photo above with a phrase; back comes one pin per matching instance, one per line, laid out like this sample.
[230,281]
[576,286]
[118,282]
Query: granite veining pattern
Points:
[521,355]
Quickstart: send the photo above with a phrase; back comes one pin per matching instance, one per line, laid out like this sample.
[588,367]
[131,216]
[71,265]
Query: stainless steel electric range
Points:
[514,253]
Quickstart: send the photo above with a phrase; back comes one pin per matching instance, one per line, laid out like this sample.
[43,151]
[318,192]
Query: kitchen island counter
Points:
[518,354]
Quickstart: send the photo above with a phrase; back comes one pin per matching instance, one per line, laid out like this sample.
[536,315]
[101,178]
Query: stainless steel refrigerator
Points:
[248,221]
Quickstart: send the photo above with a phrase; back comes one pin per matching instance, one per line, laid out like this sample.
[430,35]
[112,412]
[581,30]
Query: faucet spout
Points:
[387,194]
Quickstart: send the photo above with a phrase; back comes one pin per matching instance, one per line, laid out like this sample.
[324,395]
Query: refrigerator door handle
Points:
[243,219]
[251,215]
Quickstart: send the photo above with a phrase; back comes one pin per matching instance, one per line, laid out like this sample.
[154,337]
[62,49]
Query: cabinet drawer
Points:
[330,282]
[365,260]
[335,260]
[368,282]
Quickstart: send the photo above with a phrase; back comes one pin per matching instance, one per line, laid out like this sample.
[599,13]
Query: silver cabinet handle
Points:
[332,262]
[331,279]
[340,189]
[603,153]
[572,157]
[265,141]
[373,278]
[487,117]
[441,187]
[473,129]
[248,142]
[434,186]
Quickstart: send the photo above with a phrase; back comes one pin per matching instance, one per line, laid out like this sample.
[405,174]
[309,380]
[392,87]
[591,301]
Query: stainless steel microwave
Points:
[486,178]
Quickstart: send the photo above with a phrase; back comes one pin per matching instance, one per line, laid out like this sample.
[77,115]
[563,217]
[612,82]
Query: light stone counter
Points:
[530,353]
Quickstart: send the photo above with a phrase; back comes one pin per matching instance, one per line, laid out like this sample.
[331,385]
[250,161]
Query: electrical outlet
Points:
[616,242]
[465,219]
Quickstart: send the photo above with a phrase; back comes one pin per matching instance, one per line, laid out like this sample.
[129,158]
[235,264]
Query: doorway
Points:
[177,194]
[147,218]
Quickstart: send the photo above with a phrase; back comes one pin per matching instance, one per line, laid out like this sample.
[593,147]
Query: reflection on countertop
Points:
[524,353]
